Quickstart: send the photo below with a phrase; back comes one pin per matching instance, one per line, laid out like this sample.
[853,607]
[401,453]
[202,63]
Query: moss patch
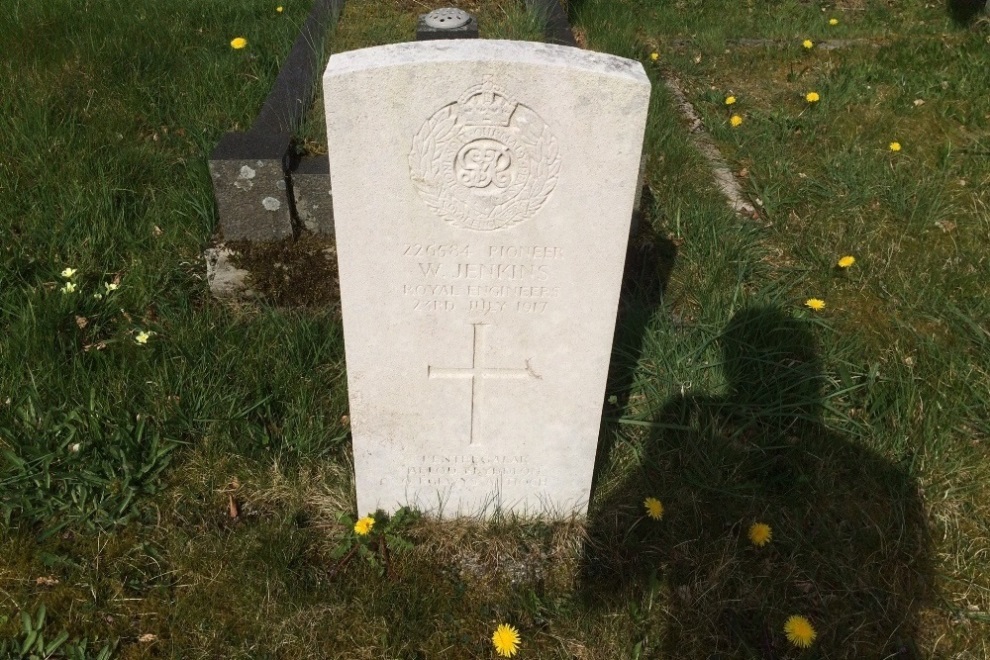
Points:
[292,273]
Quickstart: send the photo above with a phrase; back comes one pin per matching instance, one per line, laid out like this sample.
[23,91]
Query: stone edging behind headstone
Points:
[556,27]
[251,171]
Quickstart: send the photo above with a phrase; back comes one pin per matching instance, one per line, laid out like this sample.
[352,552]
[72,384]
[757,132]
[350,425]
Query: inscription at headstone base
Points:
[482,194]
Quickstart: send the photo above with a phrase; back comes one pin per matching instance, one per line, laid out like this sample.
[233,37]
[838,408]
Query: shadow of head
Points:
[964,11]
[772,371]
[849,547]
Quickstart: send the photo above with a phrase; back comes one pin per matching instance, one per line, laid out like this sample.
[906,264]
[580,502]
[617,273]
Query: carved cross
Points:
[477,374]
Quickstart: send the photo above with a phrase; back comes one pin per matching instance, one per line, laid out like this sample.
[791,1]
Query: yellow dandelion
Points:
[68,287]
[654,508]
[808,44]
[364,525]
[280,9]
[760,534]
[238,42]
[799,631]
[847,261]
[730,100]
[816,304]
[833,21]
[506,640]
[142,337]
[68,273]
[654,56]
[895,146]
[812,97]
[735,120]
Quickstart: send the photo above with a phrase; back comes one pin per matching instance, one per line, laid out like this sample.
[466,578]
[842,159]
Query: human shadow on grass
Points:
[849,549]
[965,11]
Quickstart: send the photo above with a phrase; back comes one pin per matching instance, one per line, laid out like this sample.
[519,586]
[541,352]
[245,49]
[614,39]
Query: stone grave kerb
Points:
[251,170]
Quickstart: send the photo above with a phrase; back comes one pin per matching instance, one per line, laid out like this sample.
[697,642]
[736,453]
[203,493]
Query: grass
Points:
[185,497]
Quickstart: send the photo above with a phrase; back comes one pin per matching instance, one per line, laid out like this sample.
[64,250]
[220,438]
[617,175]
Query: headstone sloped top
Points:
[481,224]
[415,55]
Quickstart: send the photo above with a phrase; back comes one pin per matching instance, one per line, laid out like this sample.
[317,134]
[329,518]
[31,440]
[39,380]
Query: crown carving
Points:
[486,106]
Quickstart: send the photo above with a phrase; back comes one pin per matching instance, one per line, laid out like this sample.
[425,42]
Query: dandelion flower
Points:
[68,273]
[654,508]
[280,9]
[735,120]
[654,56]
[760,534]
[847,261]
[142,337]
[833,21]
[238,42]
[506,640]
[729,100]
[364,525]
[816,304]
[895,146]
[799,631]
[812,97]
[808,44]
[68,287]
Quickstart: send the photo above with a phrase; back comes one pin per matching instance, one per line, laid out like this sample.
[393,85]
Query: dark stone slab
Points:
[250,170]
[249,184]
[295,85]
[312,193]
[556,27]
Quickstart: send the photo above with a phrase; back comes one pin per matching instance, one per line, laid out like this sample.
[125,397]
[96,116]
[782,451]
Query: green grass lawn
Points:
[175,475]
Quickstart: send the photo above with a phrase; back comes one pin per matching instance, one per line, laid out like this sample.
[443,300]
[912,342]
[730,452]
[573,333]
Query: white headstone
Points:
[482,194]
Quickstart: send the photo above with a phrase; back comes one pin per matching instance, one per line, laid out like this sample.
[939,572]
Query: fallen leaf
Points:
[233,510]
[581,37]
[147,637]
[48,581]
[82,322]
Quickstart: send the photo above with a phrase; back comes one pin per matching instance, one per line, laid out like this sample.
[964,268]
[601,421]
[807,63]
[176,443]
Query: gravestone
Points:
[482,197]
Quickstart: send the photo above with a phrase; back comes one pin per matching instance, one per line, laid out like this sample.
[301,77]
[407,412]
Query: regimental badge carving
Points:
[485,162]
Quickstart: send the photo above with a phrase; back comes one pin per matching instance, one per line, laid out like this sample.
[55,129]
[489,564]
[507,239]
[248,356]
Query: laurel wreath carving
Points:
[426,171]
